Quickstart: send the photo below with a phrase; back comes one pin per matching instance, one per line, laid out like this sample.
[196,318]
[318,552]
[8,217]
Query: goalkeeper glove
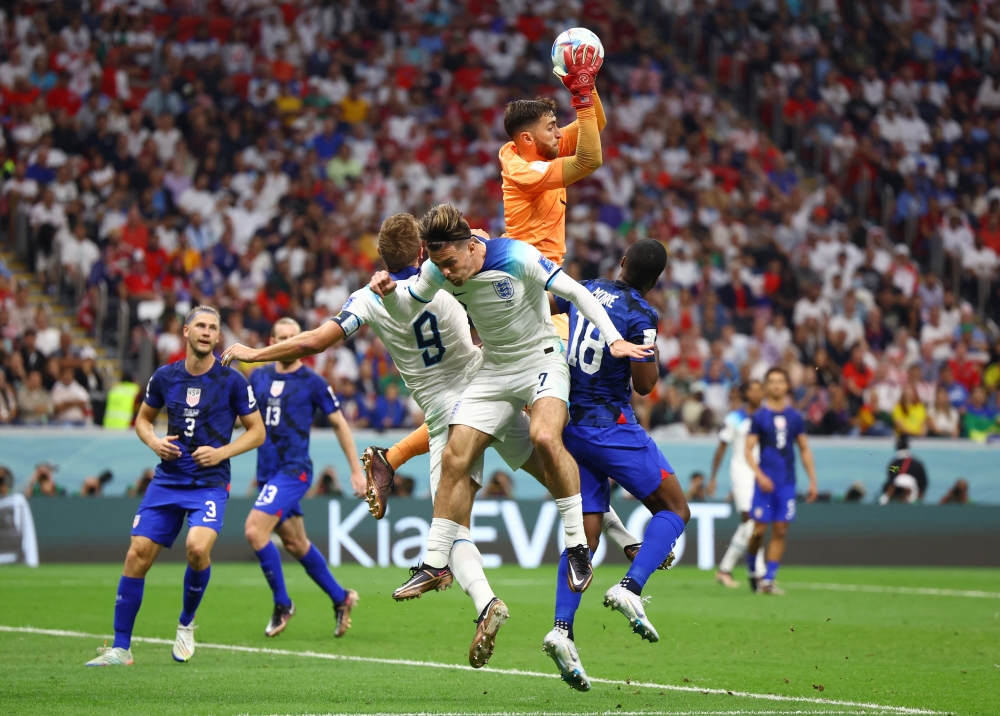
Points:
[581,70]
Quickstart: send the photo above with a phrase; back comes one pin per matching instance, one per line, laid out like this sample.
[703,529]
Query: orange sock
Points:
[416,443]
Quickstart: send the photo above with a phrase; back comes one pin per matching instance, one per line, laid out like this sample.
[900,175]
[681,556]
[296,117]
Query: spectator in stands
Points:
[910,416]
[34,402]
[8,401]
[70,400]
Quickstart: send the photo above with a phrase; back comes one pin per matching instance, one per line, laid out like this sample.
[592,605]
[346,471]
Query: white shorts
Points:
[514,451]
[743,484]
[494,399]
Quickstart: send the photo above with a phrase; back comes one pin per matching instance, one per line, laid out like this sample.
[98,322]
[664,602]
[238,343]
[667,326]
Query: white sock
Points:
[761,567]
[613,527]
[440,539]
[737,547]
[571,509]
[467,566]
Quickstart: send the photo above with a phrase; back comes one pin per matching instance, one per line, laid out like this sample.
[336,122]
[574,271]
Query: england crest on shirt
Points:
[193,396]
[277,387]
[504,289]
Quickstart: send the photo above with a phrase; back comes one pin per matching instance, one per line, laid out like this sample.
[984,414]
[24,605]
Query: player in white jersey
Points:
[734,432]
[437,359]
[502,283]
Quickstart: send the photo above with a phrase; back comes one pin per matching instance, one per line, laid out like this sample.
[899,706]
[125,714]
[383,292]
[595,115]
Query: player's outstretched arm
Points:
[207,456]
[346,439]
[581,71]
[563,286]
[304,344]
[163,447]
[806,455]
[766,484]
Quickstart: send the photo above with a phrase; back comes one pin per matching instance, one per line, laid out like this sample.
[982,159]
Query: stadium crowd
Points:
[244,154]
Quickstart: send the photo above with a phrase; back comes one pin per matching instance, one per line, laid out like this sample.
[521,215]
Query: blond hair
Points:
[399,241]
[286,321]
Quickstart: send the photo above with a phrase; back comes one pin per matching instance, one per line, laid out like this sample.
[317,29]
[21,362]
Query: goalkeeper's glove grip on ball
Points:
[580,73]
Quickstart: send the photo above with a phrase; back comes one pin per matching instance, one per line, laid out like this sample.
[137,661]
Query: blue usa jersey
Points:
[777,432]
[201,410]
[288,402]
[601,385]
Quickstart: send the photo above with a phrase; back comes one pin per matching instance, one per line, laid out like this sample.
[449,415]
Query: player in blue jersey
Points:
[606,440]
[776,427]
[289,395]
[203,401]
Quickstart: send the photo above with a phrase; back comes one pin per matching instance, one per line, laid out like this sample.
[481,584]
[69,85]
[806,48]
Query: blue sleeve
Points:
[756,425]
[323,396]
[242,399]
[154,392]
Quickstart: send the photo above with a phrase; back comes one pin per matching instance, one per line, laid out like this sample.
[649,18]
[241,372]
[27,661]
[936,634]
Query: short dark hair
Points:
[443,224]
[523,113]
[644,262]
[782,371]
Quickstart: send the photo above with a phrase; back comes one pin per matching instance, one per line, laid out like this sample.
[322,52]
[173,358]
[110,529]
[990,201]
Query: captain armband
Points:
[348,322]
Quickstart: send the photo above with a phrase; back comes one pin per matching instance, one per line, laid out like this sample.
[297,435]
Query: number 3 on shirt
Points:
[189,431]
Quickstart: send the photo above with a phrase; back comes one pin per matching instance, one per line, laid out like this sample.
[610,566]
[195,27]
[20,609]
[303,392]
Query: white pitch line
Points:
[603,713]
[925,591]
[508,672]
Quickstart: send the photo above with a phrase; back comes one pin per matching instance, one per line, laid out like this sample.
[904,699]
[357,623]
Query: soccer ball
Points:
[573,38]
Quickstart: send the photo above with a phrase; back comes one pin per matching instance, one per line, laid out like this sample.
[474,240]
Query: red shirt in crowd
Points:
[966,372]
[859,377]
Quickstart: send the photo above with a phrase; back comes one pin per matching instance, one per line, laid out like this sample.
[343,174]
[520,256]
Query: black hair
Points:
[644,262]
[524,113]
[441,225]
[783,372]
[746,386]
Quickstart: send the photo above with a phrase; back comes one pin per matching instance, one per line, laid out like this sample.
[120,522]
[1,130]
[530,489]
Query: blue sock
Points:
[660,537]
[126,607]
[567,601]
[772,570]
[316,568]
[195,584]
[270,564]
[751,562]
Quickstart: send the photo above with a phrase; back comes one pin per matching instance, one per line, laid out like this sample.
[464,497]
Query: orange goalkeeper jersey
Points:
[534,197]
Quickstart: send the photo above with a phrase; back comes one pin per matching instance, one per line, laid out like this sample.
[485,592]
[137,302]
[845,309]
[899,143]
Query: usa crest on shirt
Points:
[504,289]
[277,387]
[193,396]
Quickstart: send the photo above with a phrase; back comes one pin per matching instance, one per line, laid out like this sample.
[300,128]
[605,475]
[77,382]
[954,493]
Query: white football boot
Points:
[112,656]
[184,643]
[633,607]
[563,651]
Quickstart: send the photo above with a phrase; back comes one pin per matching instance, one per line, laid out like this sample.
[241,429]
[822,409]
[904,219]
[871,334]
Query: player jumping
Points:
[290,394]
[437,359]
[502,284]
[776,426]
[607,441]
[741,478]
[537,164]
[203,400]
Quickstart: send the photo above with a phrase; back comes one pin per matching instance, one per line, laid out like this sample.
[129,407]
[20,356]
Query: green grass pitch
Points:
[895,641]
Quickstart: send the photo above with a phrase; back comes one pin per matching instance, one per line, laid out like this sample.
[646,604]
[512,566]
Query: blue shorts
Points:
[163,509]
[777,506]
[624,453]
[281,495]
